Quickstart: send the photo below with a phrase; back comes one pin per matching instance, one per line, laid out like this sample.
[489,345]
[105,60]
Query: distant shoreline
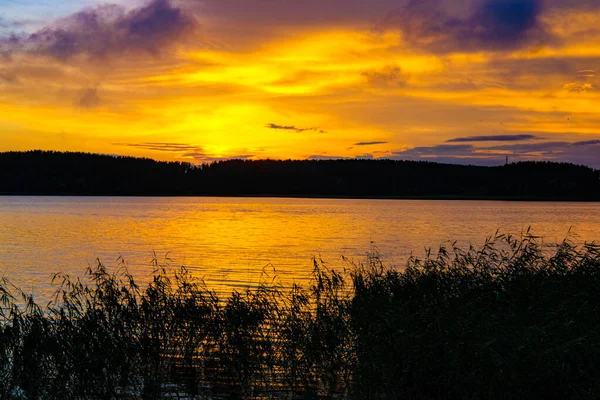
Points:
[39,173]
[320,197]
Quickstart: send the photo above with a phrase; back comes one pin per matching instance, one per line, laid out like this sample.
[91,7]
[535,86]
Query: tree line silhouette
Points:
[65,173]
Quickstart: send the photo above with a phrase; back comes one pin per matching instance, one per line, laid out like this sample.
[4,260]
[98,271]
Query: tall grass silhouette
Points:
[510,319]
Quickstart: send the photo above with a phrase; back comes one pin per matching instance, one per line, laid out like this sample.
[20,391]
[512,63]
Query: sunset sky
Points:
[469,81]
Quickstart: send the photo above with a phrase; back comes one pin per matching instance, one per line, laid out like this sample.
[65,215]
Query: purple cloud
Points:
[488,19]
[587,143]
[257,13]
[492,138]
[109,31]
[584,153]
[491,25]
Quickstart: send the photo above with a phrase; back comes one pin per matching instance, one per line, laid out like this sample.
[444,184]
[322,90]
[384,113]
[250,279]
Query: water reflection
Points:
[229,241]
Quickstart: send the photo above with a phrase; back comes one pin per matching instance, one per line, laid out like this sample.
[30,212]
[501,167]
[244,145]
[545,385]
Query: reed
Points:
[510,319]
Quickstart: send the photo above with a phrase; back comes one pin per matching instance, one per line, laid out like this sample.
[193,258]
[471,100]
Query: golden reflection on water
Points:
[229,241]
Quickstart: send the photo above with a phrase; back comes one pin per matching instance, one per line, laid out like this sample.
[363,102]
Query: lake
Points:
[230,241]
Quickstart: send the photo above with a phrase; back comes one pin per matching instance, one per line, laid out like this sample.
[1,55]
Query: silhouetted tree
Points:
[49,172]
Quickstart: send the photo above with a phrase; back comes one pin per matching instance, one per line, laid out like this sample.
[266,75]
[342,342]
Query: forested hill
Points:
[55,173]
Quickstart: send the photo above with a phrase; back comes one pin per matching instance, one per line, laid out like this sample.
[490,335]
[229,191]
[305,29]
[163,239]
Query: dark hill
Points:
[55,173]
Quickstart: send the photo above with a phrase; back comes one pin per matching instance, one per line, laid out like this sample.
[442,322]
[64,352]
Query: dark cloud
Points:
[110,31]
[369,143]
[587,143]
[388,77]
[492,138]
[505,22]
[89,99]
[284,127]
[294,128]
[573,4]
[504,18]
[490,25]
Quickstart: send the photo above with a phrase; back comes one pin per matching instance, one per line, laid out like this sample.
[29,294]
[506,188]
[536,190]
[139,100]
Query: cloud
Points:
[586,73]
[492,138]
[299,12]
[433,153]
[369,143]
[109,30]
[388,77]
[573,4]
[451,154]
[294,128]
[489,24]
[585,81]
[7,27]
[587,143]
[4,24]
[584,152]
[8,78]
[531,73]
[89,99]
[463,85]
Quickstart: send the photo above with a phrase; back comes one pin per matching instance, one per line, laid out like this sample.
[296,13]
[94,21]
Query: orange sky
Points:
[470,82]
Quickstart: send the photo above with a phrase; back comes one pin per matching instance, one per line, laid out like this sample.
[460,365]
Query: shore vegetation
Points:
[511,319]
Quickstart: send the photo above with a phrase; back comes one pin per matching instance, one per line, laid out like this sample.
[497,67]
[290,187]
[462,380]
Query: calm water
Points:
[229,241]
